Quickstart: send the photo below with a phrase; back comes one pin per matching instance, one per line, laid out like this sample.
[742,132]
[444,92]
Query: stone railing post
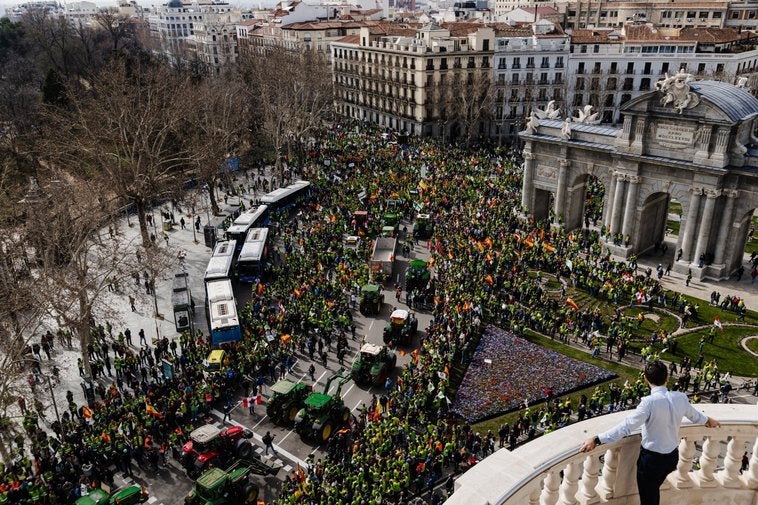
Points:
[708,460]
[570,484]
[588,493]
[751,476]
[550,491]
[608,480]
[730,476]
[682,478]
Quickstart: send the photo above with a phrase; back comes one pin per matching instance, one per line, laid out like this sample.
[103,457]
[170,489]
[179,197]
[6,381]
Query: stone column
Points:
[720,145]
[560,194]
[726,226]
[631,205]
[609,194]
[618,200]
[705,224]
[704,144]
[528,187]
[691,224]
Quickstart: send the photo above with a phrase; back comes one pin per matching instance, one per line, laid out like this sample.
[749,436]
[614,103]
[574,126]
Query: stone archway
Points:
[653,216]
[693,141]
[586,201]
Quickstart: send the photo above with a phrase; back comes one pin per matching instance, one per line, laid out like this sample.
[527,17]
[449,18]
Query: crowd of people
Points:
[409,440]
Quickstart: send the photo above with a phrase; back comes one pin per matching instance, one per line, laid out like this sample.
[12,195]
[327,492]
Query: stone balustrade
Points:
[551,471]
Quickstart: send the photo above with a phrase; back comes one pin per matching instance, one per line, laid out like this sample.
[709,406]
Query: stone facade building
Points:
[690,141]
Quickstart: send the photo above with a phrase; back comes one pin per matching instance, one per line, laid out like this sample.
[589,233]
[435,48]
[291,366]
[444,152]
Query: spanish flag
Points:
[480,246]
[106,438]
[151,410]
[488,241]
[297,293]
[86,412]
[401,352]
[571,303]
[414,355]
[423,185]
[286,338]
[549,248]
[489,257]
[489,280]
[259,289]
[529,241]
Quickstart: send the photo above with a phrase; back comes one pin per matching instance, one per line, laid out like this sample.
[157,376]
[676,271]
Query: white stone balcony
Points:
[551,471]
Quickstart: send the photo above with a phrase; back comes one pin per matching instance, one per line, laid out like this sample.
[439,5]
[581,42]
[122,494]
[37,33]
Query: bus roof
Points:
[246,219]
[255,242]
[278,194]
[223,313]
[221,261]
[219,290]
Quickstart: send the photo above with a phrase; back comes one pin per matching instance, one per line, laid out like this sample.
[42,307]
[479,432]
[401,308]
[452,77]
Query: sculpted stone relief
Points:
[676,91]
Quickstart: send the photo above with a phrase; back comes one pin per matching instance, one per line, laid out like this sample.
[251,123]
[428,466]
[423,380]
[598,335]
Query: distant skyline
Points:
[4,4]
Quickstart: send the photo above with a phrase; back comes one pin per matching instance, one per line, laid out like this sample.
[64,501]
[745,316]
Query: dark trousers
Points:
[652,469]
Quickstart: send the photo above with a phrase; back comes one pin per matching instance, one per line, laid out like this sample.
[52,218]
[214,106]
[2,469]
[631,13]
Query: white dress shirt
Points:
[660,415]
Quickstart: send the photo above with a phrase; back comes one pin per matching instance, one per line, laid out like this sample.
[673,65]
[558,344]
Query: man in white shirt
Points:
[660,415]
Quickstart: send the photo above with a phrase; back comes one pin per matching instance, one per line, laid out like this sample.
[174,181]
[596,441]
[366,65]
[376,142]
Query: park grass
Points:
[675,208]
[753,345]
[673,227]
[624,373]
[725,349]
[667,322]
[707,313]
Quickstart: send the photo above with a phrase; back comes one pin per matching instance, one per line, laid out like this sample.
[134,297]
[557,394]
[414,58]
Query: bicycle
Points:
[747,385]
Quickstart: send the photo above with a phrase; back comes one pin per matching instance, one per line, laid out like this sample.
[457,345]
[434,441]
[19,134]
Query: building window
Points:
[530,62]
[583,49]
[664,68]
[545,62]
[719,68]
[559,62]
[580,68]
[516,63]
[701,68]
[596,49]
[501,64]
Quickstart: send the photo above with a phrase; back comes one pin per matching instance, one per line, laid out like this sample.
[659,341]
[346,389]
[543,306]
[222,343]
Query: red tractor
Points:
[210,447]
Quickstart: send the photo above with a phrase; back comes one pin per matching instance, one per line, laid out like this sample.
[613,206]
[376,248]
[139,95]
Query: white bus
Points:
[252,259]
[220,264]
[249,219]
[221,308]
[284,198]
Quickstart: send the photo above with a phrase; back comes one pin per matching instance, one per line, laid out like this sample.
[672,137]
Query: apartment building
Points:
[415,79]
[530,64]
[173,23]
[610,67]
[214,40]
[687,14]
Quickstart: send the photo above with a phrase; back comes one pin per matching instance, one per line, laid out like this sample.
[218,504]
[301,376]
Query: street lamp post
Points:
[52,397]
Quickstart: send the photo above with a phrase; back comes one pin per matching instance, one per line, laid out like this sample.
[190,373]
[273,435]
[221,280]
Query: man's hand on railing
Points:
[589,444]
[712,423]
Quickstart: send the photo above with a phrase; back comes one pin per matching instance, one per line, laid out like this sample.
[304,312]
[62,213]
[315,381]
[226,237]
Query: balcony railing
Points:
[551,471]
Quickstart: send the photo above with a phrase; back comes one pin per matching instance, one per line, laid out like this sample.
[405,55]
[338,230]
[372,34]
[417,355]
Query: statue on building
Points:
[549,112]
[566,129]
[533,123]
[586,116]
[676,91]
[742,82]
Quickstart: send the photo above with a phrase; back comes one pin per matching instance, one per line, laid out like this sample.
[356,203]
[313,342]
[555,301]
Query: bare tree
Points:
[127,129]
[292,92]
[469,101]
[73,264]
[220,129]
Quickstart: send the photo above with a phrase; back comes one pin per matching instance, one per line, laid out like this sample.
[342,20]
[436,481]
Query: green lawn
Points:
[672,227]
[707,313]
[753,345]
[666,322]
[725,349]
[624,373]
[675,208]
[751,246]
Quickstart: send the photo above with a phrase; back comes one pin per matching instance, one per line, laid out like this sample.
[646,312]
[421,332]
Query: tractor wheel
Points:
[250,494]
[244,449]
[292,413]
[326,431]
[345,415]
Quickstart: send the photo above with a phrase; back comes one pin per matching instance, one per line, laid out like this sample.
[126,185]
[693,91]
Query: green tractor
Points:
[129,495]
[401,328]
[372,299]
[222,487]
[373,365]
[323,413]
[423,227]
[417,276]
[287,398]
[391,224]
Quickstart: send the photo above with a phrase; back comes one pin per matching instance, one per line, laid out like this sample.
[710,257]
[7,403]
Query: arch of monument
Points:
[692,141]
